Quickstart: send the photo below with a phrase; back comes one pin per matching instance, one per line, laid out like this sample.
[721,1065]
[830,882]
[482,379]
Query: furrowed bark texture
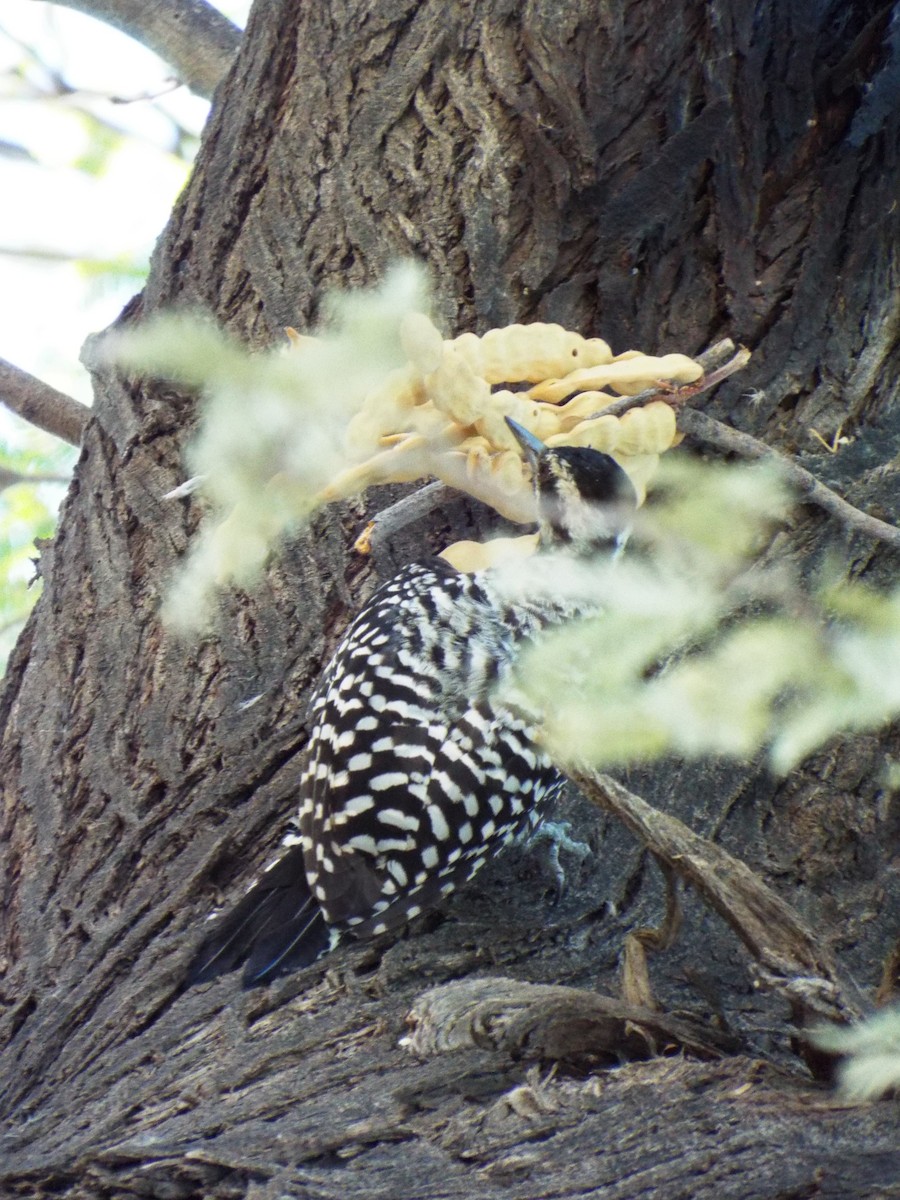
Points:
[659,174]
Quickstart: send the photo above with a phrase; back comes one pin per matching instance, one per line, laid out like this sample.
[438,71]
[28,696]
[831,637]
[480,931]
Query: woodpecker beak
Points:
[532,446]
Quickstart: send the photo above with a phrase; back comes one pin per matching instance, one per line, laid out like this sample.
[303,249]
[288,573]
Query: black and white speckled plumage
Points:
[432,773]
[417,771]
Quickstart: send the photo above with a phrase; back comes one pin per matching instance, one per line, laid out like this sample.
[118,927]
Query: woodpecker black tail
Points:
[276,927]
[417,770]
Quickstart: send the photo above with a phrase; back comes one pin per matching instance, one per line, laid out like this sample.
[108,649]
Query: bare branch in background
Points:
[192,36]
[9,478]
[42,405]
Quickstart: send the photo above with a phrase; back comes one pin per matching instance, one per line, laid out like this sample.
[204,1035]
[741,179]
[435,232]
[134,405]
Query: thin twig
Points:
[385,524]
[714,433]
[187,488]
[715,370]
[42,405]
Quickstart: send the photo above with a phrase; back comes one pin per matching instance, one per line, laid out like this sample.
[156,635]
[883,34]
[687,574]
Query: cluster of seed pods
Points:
[442,414]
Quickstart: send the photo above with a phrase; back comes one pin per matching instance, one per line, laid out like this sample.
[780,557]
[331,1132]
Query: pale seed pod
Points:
[475,441]
[510,472]
[647,430]
[516,505]
[540,419]
[431,423]
[478,452]
[627,376]
[600,433]
[407,460]
[482,556]
[640,469]
[529,353]
[439,417]
[384,410]
[672,368]
[456,390]
[581,408]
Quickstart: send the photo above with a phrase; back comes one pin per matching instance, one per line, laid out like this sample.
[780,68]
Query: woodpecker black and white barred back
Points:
[417,771]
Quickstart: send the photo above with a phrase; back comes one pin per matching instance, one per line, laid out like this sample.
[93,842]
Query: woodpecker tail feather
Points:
[277,927]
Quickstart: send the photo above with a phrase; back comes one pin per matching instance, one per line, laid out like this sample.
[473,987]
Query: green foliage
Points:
[871,1067]
[273,430]
[699,653]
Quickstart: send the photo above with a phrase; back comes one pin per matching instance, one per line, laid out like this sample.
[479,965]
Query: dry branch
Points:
[42,405]
[789,958]
[714,433]
[190,35]
[385,524]
[718,362]
[540,1022]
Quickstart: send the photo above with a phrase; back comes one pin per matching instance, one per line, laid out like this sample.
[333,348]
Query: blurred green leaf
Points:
[693,654]
[103,143]
[272,435]
[871,1067]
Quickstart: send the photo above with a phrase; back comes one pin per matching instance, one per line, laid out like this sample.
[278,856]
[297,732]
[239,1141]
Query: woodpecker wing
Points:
[463,792]
[415,777]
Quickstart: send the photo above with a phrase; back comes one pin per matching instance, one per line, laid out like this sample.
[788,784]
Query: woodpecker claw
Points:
[556,834]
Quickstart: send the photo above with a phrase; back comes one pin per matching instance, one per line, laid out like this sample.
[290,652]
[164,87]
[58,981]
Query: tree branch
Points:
[9,478]
[550,1023]
[192,36]
[717,367]
[714,433]
[42,405]
[789,957]
[385,524]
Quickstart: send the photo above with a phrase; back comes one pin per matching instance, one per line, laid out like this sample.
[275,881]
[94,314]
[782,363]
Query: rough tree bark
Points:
[661,174]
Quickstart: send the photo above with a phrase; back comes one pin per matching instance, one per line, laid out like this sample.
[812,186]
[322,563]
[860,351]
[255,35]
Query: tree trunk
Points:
[658,174]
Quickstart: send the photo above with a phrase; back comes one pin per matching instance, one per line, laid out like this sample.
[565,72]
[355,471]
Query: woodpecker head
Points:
[585,500]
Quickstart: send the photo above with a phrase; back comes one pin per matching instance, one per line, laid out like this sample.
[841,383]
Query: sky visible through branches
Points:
[95,144]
